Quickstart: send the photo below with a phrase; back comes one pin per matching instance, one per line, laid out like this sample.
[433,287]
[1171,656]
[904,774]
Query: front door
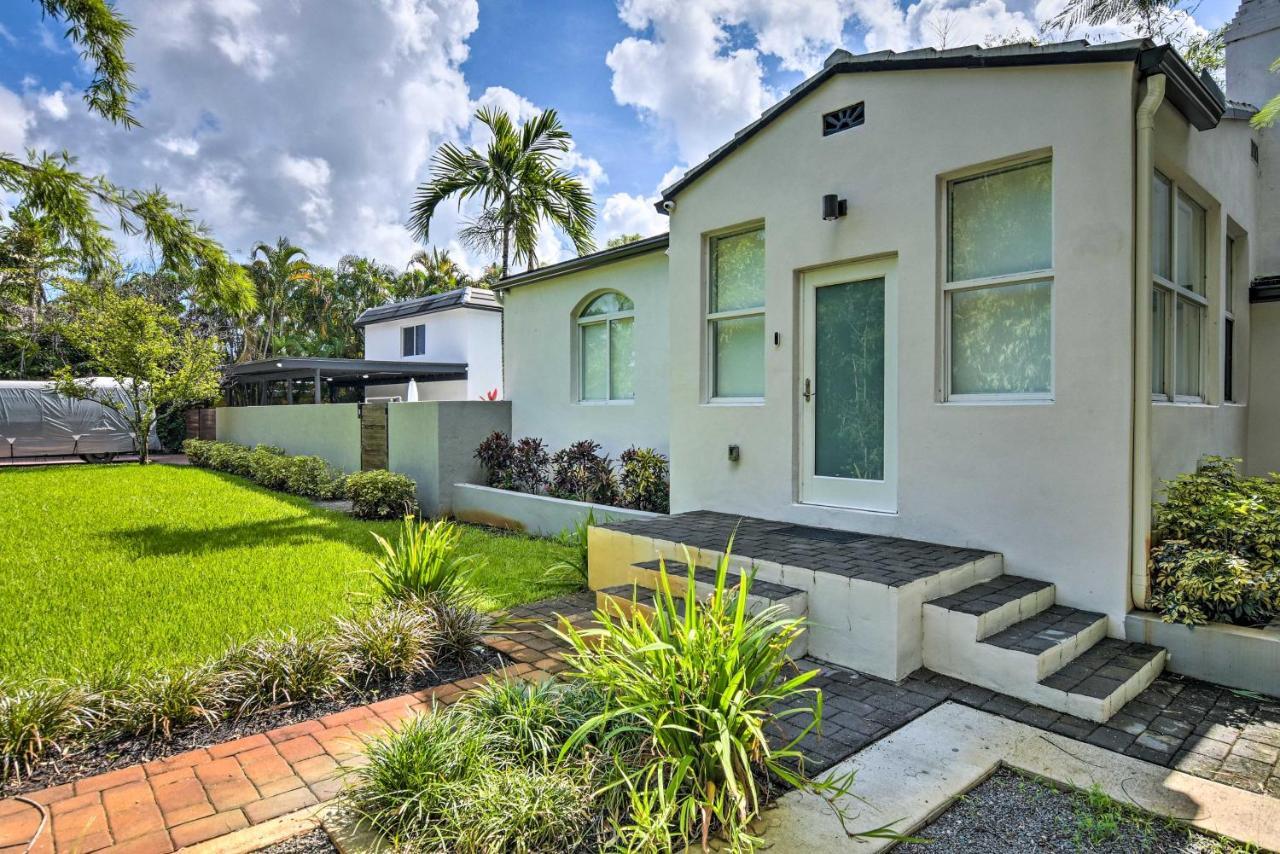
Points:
[849,387]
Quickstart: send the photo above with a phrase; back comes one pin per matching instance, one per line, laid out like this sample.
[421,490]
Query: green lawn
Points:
[163,565]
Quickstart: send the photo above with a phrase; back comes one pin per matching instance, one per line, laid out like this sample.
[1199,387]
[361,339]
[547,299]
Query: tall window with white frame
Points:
[606,352]
[999,285]
[735,316]
[1179,299]
[1229,325]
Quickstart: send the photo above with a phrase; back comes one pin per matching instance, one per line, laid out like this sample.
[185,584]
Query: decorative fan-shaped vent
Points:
[844,118]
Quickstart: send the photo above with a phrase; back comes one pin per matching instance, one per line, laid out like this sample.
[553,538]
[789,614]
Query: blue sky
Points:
[317,118]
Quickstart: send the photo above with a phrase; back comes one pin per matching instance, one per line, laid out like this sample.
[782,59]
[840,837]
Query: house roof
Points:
[479,298]
[1196,96]
[1265,289]
[587,262]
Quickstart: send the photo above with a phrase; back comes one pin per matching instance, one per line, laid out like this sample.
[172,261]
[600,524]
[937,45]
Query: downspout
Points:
[1140,510]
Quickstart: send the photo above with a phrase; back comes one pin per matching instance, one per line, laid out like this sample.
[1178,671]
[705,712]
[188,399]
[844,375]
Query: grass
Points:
[163,566]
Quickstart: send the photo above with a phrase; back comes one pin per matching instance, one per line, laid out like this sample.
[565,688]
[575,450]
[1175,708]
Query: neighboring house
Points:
[902,302]
[462,325]
[448,344]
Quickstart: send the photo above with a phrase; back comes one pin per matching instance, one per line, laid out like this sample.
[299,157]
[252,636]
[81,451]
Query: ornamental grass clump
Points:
[155,705]
[279,671]
[46,716]
[387,642]
[1219,539]
[423,564]
[705,680]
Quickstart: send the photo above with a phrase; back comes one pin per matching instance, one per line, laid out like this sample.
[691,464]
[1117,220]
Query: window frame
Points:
[1174,292]
[949,288]
[711,318]
[581,322]
[1230,262]
[419,332]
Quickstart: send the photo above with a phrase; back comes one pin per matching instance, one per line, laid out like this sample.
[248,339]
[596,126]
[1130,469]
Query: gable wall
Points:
[1046,484]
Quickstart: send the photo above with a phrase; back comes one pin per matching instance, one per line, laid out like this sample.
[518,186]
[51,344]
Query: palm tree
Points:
[518,181]
[1150,15]
[431,272]
[276,272]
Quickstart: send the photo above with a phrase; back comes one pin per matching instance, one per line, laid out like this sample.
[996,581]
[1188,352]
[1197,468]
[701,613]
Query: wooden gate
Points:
[373,436]
[202,424]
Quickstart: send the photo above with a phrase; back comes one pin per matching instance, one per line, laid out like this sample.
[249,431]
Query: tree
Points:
[1161,20]
[519,184]
[67,202]
[156,362]
[622,240]
[33,265]
[430,272]
[276,271]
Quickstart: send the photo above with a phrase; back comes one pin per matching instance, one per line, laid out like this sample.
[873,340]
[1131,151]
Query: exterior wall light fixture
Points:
[834,207]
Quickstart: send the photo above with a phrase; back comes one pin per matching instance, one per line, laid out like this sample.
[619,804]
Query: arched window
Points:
[607,359]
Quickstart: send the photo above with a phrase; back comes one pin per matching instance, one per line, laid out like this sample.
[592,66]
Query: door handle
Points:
[808,394]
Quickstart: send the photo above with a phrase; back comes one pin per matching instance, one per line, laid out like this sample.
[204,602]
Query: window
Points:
[413,340]
[999,284]
[1179,298]
[735,316]
[607,356]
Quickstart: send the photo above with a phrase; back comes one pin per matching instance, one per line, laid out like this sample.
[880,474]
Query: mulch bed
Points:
[1011,814]
[315,842]
[55,769]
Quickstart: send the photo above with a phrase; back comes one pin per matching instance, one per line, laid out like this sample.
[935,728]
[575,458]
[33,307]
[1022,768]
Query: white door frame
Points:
[873,495]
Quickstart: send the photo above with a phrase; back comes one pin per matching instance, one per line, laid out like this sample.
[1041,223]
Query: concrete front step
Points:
[864,592]
[1008,636]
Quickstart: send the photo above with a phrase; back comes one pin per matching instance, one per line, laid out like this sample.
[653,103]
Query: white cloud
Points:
[14,121]
[624,213]
[54,104]
[187,146]
[309,120]
[6,35]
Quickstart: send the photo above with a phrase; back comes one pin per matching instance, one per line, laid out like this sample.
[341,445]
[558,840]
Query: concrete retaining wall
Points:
[533,514]
[1228,655]
[331,431]
[434,443]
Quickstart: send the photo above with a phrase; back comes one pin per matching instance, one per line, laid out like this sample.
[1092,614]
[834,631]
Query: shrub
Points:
[496,455]
[573,569]
[528,723]
[424,564]
[435,785]
[385,643]
[707,681]
[157,704]
[529,461]
[460,629]
[1219,533]
[268,468]
[231,458]
[46,716]
[278,671]
[381,494]
[198,451]
[581,473]
[311,477]
[645,480]
[171,428]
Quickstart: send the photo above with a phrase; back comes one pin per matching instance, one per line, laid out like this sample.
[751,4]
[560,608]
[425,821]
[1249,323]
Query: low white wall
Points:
[532,514]
[1228,655]
[434,443]
[329,430]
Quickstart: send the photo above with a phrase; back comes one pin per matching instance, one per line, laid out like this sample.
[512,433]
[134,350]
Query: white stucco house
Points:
[986,298]
[448,344]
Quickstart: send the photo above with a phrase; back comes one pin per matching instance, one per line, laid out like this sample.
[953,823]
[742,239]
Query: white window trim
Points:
[1230,248]
[1176,292]
[606,319]
[1020,278]
[711,317]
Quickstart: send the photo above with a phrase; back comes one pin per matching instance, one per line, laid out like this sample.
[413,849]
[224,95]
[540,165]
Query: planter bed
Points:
[313,842]
[55,770]
[533,514]
[1235,656]
[1009,813]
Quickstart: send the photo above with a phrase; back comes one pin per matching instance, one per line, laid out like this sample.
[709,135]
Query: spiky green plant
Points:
[278,671]
[706,679]
[387,642]
[424,563]
[34,720]
[157,704]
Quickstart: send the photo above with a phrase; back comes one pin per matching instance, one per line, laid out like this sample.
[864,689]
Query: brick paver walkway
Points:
[202,794]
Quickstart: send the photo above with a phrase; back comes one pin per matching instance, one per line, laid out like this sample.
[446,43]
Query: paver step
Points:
[678,574]
[995,605]
[1109,674]
[1053,636]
